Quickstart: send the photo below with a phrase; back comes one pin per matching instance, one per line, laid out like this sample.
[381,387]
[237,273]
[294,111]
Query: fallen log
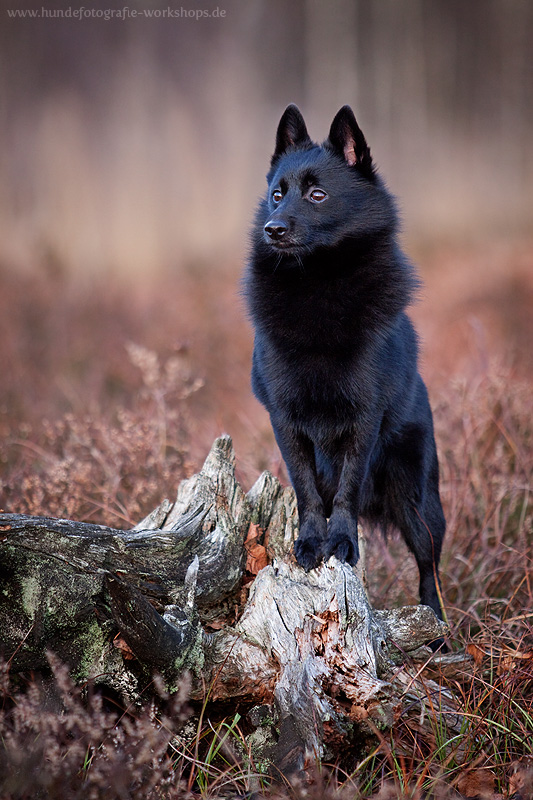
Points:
[177,592]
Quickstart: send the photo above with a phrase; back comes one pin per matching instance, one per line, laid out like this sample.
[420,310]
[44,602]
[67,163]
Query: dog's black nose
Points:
[276,230]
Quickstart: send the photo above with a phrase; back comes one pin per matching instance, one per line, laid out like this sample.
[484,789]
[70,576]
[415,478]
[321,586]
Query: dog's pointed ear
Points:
[291,131]
[347,139]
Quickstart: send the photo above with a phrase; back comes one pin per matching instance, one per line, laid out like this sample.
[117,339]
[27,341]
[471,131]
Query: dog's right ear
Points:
[291,131]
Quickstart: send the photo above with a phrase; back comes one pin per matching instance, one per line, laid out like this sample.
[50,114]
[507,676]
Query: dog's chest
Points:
[314,389]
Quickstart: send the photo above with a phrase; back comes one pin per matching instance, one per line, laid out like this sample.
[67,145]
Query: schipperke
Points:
[335,357]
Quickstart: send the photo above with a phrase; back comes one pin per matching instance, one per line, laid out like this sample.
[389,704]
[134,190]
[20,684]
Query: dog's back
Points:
[335,358]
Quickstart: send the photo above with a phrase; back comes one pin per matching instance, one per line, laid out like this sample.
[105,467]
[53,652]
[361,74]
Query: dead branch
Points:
[118,605]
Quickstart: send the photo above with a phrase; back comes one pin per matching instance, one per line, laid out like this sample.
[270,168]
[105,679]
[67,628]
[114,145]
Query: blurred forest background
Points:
[139,145]
[132,155]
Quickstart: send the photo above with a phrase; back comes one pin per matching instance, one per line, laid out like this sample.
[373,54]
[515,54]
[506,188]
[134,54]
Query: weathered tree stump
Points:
[306,649]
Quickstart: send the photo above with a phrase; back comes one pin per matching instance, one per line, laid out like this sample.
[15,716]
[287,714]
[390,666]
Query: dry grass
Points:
[112,393]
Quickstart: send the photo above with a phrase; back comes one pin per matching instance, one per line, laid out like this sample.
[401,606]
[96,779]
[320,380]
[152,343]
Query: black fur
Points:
[335,358]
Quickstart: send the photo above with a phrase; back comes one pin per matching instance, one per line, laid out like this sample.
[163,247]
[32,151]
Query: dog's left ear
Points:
[347,139]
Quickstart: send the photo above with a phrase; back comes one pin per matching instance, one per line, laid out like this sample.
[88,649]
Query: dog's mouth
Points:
[284,245]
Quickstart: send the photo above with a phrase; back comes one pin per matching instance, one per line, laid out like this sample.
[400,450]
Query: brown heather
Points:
[111,394]
[60,742]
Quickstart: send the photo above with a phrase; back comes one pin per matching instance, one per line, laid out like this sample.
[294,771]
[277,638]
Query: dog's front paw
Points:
[309,547]
[342,542]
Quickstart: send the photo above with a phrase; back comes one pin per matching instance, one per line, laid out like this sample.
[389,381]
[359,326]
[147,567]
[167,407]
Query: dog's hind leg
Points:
[423,531]
[413,506]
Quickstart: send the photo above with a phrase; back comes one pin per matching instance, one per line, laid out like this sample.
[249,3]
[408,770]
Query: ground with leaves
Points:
[112,393]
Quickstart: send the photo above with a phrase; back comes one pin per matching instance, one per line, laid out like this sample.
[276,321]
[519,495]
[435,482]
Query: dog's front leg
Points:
[299,456]
[342,540]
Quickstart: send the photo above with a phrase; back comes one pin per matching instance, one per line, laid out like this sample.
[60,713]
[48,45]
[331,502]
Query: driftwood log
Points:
[177,593]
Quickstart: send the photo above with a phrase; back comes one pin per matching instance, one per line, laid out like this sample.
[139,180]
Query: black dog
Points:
[335,358]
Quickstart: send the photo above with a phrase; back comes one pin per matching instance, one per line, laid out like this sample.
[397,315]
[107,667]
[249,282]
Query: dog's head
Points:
[320,195]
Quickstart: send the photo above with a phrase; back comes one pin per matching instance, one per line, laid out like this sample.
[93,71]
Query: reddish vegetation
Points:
[111,393]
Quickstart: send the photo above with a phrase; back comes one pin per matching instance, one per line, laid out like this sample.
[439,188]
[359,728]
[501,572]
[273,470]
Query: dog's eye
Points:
[318,195]
[277,195]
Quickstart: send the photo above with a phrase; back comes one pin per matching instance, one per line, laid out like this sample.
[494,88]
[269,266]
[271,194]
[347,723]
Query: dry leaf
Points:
[509,661]
[122,645]
[254,532]
[476,653]
[257,556]
[521,780]
[477,783]
[358,713]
